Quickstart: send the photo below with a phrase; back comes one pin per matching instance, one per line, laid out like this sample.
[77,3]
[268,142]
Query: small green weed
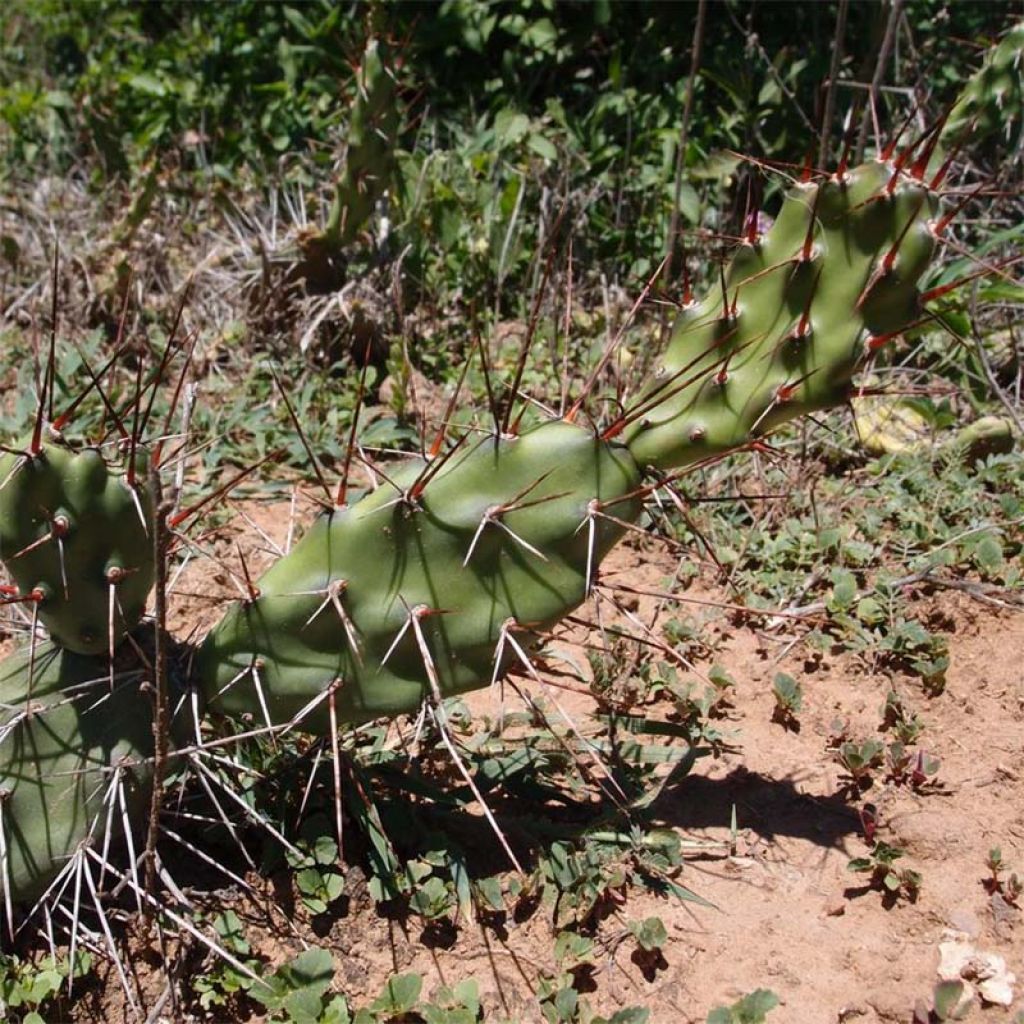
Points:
[789,700]
[859,759]
[753,1008]
[950,1001]
[223,983]
[883,875]
[37,986]
[315,865]
[910,768]
[897,716]
[1010,887]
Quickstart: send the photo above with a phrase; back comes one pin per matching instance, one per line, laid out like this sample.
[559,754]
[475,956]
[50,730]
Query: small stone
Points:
[964,920]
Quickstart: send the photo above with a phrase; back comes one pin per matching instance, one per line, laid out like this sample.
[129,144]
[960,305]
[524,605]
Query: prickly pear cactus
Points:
[426,587]
[76,536]
[417,585]
[992,102]
[73,761]
[799,310]
[369,154]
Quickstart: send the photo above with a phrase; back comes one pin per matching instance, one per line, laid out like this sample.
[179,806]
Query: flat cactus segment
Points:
[502,537]
[798,311]
[369,157]
[76,536]
[992,101]
[71,747]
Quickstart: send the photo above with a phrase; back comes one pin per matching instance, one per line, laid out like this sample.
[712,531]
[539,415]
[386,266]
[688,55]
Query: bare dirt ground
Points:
[788,914]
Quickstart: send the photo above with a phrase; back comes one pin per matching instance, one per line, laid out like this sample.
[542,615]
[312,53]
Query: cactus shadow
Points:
[771,807]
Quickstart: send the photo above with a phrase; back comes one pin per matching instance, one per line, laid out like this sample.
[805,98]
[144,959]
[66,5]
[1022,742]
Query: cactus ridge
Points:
[75,535]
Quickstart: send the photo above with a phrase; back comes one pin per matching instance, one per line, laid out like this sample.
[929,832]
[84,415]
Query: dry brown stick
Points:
[161,725]
[684,132]
[895,8]
[833,74]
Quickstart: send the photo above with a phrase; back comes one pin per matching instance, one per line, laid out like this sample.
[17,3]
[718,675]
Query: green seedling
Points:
[839,732]
[789,700]
[224,982]
[951,1000]
[1010,887]
[883,875]
[316,876]
[298,989]
[651,938]
[859,759]
[650,934]
[912,768]
[26,988]
[905,723]
[753,1008]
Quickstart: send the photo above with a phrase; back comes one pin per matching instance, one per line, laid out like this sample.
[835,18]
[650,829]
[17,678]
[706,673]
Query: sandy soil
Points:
[788,914]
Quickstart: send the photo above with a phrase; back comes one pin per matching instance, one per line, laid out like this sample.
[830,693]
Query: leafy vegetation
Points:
[182,128]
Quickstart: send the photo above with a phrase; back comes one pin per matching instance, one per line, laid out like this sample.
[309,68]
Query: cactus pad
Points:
[799,310]
[501,537]
[71,748]
[993,98]
[76,537]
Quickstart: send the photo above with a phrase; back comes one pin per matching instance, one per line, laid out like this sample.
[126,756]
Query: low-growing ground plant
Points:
[880,867]
[1009,886]
[789,700]
[752,1008]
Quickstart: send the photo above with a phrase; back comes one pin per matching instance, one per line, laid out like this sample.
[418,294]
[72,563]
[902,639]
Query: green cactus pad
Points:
[362,571]
[370,148]
[804,307]
[992,101]
[75,534]
[63,732]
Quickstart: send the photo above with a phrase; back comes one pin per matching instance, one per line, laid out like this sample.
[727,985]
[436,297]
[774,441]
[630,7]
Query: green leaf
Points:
[311,971]
[400,994]
[542,146]
[752,1008]
[510,127]
[566,1002]
[490,891]
[949,995]
[336,1012]
[988,553]
[869,611]
[650,933]
[844,590]
[630,1015]
[304,1006]
[147,83]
